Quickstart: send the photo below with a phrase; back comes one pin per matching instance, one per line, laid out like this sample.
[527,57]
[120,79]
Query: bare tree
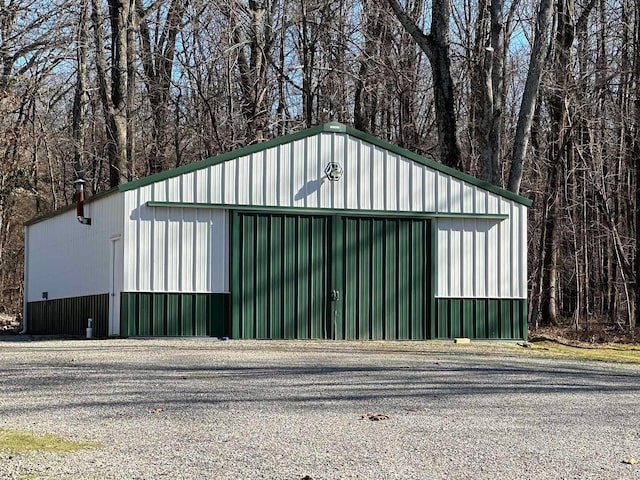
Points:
[114,88]
[157,52]
[530,94]
[436,46]
[253,39]
[81,97]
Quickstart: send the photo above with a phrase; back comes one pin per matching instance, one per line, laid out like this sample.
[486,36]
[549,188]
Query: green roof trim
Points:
[324,211]
[232,155]
[438,166]
[333,127]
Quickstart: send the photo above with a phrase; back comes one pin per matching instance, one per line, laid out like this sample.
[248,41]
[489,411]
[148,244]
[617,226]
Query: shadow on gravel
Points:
[123,388]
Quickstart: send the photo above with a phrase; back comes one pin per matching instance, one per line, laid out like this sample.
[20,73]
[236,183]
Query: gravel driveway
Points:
[205,409]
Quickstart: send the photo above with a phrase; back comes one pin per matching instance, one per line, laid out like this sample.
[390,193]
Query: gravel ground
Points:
[204,409]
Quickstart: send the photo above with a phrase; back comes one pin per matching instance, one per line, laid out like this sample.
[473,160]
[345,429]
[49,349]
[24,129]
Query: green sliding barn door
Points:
[279,276]
[304,276]
[381,272]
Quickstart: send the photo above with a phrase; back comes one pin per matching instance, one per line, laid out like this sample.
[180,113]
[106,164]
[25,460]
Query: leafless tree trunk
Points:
[436,46]
[364,96]
[253,40]
[488,87]
[80,98]
[158,56]
[114,89]
[530,94]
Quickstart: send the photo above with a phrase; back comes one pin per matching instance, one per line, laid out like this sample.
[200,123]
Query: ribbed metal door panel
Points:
[380,267]
[279,277]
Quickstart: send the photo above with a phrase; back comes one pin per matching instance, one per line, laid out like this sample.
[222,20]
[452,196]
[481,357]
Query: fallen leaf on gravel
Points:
[374,417]
[157,410]
[630,460]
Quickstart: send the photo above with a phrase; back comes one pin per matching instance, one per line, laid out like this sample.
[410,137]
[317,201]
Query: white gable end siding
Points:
[67,259]
[475,257]
[374,179]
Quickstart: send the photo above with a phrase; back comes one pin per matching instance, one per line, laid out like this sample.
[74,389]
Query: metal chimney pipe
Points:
[79,184]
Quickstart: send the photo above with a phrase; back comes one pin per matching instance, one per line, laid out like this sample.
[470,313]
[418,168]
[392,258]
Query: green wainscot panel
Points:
[145,314]
[68,316]
[484,318]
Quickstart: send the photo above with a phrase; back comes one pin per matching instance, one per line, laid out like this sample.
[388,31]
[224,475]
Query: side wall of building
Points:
[182,250]
[69,268]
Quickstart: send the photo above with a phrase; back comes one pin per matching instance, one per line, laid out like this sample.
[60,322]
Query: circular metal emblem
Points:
[333,171]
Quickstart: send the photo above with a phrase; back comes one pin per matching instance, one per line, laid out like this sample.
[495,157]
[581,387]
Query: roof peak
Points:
[334,126]
[331,127]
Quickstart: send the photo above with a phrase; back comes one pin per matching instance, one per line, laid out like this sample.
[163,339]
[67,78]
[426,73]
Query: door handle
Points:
[335,295]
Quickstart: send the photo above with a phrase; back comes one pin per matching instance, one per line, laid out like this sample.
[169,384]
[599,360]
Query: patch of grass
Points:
[619,353]
[15,441]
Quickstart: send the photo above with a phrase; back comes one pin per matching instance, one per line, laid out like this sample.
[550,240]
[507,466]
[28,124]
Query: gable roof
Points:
[333,127]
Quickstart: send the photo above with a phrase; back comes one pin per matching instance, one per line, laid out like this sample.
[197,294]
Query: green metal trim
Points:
[438,166]
[234,274]
[68,316]
[161,314]
[241,152]
[484,216]
[433,278]
[333,127]
[67,208]
[324,211]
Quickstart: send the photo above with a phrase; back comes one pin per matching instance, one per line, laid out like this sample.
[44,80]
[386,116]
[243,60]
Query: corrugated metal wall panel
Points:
[69,316]
[67,259]
[480,258]
[481,318]
[175,249]
[381,269]
[279,280]
[468,272]
[145,314]
[373,179]
[455,262]
[505,258]
[523,252]
[443,195]
[291,175]
[285,266]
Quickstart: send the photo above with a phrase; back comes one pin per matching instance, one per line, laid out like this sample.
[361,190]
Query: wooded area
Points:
[538,97]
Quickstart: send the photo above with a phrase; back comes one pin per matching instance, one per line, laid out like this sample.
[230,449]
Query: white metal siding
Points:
[292,175]
[174,249]
[166,249]
[67,259]
[482,258]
